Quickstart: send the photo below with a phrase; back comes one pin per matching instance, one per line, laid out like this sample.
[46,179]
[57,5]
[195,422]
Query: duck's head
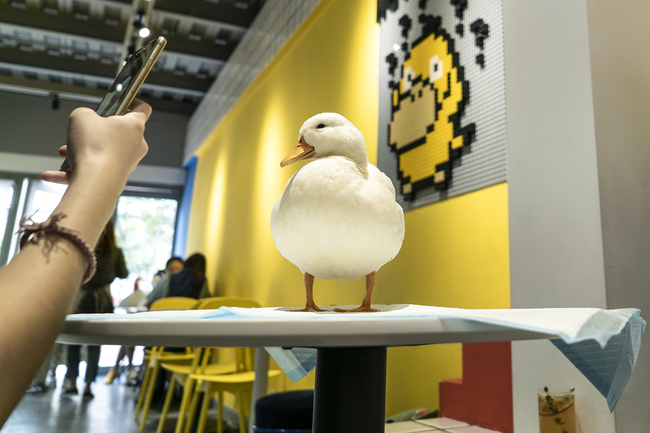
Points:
[328,134]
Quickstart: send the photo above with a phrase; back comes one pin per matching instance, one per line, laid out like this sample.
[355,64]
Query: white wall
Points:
[620,70]
[36,164]
[30,126]
[556,253]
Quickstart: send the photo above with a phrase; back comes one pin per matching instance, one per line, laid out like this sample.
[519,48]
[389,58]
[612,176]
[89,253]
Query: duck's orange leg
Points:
[365,305]
[309,288]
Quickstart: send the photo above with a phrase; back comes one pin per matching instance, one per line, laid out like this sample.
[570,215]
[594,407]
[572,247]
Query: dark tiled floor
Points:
[111,411]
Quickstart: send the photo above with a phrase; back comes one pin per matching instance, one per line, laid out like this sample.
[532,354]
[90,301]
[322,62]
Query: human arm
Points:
[39,284]
[160,291]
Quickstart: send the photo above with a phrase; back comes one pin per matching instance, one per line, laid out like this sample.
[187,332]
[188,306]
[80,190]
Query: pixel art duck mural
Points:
[428,103]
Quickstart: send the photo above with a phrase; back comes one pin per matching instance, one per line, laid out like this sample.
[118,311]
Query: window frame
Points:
[24,184]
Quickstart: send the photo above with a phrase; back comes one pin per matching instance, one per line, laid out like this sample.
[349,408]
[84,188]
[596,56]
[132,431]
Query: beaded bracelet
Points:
[50,226]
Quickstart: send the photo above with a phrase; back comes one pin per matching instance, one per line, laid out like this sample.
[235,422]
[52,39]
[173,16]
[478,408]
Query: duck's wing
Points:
[378,177]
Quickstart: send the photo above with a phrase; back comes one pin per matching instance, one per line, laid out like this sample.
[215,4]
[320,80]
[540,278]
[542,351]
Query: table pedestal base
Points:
[350,390]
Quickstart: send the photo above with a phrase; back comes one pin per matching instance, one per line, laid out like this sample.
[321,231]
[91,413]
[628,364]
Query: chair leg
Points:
[143,390]
[182,412]
[204,413]
[149,396]
[242,419]
[193,404]
[220,420]
[246,403]
[168,402]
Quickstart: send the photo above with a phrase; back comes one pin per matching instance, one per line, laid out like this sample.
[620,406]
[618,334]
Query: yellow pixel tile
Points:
[427,105]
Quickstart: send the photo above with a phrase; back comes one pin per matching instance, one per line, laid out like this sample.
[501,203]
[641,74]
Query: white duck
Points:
[337,218]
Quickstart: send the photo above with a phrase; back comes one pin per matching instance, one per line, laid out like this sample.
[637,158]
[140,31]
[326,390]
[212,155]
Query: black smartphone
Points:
[128,82]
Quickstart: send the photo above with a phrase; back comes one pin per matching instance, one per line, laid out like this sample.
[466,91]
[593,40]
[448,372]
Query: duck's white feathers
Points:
[338,219]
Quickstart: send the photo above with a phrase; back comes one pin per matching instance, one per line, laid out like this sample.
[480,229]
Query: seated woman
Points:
[190,282]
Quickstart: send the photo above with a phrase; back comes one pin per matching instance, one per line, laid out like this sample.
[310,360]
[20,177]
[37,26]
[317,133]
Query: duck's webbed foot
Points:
[365,305]
[360,309]
[310,307]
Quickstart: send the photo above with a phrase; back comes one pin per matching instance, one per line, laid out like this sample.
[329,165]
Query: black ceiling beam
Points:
[124,2]
[40,59]
[225,11]
[62,23]
[51,86]
[157,104]
[187,81]
[205,48]
[93,67]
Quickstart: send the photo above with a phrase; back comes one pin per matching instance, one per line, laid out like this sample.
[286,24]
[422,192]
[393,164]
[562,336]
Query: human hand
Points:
[108,147]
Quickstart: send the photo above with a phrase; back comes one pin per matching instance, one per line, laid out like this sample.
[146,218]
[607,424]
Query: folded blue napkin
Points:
[608,368]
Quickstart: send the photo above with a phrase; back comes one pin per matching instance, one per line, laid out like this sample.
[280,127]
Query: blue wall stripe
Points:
[183,220]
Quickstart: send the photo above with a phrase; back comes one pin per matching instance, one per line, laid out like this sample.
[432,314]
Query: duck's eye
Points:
[321,126]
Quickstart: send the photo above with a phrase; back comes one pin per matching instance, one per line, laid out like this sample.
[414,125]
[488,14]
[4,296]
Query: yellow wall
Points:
[455,253]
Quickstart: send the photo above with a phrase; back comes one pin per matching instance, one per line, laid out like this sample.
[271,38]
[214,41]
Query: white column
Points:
[556,252]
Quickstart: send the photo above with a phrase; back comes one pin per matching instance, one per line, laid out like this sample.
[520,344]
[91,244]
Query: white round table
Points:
[350,383]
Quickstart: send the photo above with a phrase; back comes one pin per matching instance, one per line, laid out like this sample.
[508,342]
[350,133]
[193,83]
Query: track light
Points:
[139,24]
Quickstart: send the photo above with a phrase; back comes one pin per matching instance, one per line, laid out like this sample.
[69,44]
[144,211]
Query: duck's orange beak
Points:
[300,152]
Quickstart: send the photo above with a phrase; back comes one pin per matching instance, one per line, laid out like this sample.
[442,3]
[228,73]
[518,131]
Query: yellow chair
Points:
[239,383]
[202,365]
[175,303]
[157,355]
[227,301]
[180,375]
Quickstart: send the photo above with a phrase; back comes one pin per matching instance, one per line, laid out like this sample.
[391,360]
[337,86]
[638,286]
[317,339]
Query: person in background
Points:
[47,272]
[135,299]
[56,358]
[190,282]
[173,266]
[95,297]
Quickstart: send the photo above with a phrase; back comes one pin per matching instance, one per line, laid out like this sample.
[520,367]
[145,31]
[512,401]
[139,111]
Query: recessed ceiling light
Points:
[144,32]
[19,4]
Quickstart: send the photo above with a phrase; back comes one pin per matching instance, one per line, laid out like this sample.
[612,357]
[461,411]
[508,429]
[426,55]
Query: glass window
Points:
[42,199]
[144,229]
[7,189]
[144,225]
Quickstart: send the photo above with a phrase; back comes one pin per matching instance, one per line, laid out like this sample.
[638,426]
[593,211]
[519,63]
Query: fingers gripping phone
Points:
[127,83]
